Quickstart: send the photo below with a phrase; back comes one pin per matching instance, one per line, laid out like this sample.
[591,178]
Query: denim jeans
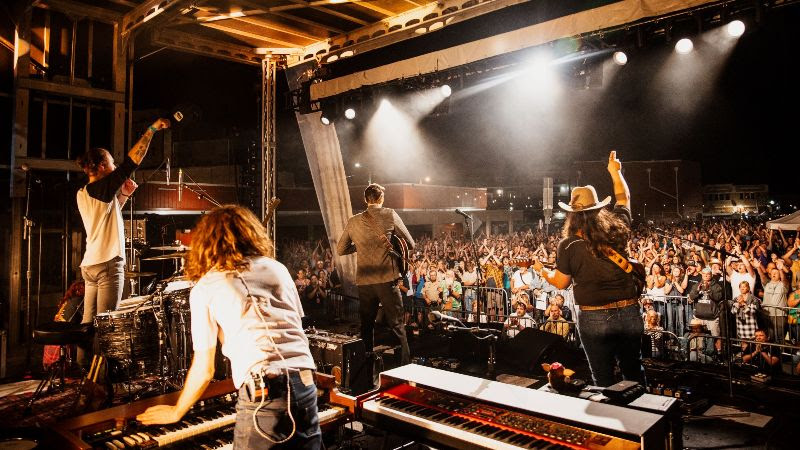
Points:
[469,297]
[273,419]
[103,292]
[612,336]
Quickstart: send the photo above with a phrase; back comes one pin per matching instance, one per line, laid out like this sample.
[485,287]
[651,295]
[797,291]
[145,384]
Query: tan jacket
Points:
[375,265]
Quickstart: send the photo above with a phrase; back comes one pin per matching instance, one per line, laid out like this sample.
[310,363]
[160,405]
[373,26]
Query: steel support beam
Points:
[73,91]
[80,9]
[444,13]
[269,67]
[203,46]
[146,12]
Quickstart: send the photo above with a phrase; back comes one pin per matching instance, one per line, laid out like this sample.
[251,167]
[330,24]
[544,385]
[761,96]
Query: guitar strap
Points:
[618,259]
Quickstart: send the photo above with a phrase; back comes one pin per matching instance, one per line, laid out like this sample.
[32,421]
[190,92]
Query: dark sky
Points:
[739,120]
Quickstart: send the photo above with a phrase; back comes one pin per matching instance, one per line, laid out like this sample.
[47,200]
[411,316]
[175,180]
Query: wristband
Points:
[152,128]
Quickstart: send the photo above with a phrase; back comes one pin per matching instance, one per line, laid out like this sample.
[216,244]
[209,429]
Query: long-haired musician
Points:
[609,323]
[249,302]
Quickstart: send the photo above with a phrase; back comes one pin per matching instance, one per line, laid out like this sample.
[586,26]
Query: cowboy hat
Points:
[583,198]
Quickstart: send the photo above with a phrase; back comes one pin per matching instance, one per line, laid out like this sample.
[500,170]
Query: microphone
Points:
[180,184]
[437,316]
[466,216]
[167,170]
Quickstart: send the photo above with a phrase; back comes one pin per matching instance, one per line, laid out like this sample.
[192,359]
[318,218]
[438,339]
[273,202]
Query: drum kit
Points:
[148,338]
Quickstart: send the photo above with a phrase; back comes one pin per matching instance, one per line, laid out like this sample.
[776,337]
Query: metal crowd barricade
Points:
[675,310]
[342,307]
[493,301]
[782,323]
[701,348]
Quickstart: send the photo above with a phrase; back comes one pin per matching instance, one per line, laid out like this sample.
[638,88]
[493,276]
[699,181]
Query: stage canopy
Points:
[789,222]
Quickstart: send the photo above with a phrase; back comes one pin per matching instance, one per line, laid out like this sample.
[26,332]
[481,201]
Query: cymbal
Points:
[175,255]
[174,248]
[129,274]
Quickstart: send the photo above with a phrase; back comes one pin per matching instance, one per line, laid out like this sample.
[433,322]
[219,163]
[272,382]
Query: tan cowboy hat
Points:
[583,198]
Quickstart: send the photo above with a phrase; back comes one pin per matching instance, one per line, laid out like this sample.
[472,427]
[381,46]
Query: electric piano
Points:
[459,411]
[208,425]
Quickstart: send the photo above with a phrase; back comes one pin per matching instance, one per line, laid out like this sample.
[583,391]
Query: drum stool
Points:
[61,334]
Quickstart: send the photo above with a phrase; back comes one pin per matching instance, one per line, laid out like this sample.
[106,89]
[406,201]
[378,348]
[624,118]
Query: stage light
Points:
[324,120]
[735,28]
[350,113]
[620,58]
[446,90]
[684,46]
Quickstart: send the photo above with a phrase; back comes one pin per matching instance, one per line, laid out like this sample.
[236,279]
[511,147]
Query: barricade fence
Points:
[782,323]
[748,354]
[346,308]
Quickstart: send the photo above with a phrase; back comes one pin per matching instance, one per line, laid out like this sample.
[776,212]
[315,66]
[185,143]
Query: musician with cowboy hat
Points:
[608,320]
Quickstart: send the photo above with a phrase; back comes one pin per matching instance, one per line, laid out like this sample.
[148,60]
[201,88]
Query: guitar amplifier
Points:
[342,356]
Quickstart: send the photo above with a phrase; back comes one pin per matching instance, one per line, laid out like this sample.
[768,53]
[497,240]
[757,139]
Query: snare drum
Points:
[128,338]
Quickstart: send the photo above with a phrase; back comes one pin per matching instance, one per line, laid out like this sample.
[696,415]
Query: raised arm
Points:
[139,149]
[621,192]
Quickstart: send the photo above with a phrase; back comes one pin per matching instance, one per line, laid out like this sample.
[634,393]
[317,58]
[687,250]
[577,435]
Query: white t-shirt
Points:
[737,278]
[221,309]
[522,277]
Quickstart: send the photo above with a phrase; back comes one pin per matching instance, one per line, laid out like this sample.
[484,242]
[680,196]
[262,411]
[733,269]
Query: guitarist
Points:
[609,323]
[377,269]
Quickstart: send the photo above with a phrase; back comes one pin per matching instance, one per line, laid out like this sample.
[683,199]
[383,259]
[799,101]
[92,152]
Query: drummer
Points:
[100,204]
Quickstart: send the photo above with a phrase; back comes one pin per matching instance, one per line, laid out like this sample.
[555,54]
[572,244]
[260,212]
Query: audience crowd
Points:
[755,268]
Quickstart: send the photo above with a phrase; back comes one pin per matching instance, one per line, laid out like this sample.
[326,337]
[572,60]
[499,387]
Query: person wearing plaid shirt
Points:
[745,309]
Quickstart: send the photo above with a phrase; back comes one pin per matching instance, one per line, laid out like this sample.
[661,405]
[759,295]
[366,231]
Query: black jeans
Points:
[388,295]
[612,336]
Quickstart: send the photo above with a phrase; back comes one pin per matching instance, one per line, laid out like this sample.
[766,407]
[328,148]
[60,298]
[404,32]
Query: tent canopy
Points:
[789,222]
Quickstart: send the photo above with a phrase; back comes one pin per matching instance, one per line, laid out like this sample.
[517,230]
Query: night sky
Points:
[739,120]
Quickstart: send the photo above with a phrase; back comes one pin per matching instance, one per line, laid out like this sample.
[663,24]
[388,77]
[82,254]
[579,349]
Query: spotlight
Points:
[350,113]
[620,58]
[357,165]
[324,120]
[735,28]
[446,90]
[684,46]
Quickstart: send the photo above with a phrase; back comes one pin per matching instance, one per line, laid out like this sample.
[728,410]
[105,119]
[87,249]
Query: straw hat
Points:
[583,198]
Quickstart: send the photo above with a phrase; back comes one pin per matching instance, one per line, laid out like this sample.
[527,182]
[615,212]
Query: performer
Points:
[377,271]
[609,324]
[249,302]
[100,204]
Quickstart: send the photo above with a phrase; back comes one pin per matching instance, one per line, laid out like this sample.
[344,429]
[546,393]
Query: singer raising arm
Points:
[100,203]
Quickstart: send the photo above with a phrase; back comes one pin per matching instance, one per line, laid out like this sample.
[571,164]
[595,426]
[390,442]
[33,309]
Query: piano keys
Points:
[459,411]
[208,425]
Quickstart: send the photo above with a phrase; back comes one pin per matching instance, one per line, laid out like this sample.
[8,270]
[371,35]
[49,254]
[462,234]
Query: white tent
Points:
[790,222]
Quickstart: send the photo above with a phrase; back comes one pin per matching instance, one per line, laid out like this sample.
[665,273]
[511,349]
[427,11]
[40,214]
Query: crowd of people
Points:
[761,279]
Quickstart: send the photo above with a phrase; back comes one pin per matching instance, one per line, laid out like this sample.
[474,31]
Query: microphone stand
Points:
[133,262]
[200,192]
[28,225]
[479,282]
[490,335]
[725,312]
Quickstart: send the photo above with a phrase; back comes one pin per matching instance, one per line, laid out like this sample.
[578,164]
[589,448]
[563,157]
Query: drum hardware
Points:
[132,274]
[148,336]
[176,255]
[174,248]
